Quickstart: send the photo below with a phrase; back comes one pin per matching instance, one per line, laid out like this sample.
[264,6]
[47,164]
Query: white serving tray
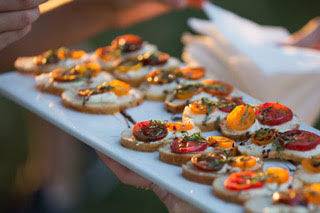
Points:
[101,132]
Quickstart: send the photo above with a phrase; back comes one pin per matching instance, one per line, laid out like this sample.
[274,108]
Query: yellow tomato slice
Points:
[277,175]
[244,162]
[221,142]
[120,88]
[241,118]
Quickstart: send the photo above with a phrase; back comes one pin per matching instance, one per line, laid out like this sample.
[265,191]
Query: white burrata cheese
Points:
[203,95]
[304,154]
[159,89]
[293,124]
[252,149]
[101,99]
[146,47]
[200,118]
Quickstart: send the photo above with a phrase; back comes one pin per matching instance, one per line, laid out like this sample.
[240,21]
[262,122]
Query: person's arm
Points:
[77,21]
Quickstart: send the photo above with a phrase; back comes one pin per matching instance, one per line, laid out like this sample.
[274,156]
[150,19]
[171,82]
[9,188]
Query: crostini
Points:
[207,114]
[134,70]
[306,199]
[240,123]
[309,170]
[277,116]
[241,186]
[150,135]
[106,98]
[160,82]
[292,145]
[79,76]
[50,60]
[204,168]
[181,149]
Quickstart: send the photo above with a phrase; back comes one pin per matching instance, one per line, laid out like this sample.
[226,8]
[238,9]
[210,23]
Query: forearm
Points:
[77,21]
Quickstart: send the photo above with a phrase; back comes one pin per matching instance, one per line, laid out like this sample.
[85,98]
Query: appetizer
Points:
[240,123]
[207,114]
[217,88]
[205,167]
[241,186]
[130,45]
[79,76]
[292,145]
[187,93]
[49,60]
[122,47]
[134,70]
[150,135]
[181,149]
[306,199]
[309,170]
[161,81]
[276,116]
[106,98]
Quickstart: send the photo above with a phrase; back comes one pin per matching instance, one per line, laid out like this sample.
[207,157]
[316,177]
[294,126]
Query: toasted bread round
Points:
[264,204]
[26,65]
[46,83]
[231,196]
[175,106]
[70,100]
[195,175]
[169,157]
[128,141]
[198,120]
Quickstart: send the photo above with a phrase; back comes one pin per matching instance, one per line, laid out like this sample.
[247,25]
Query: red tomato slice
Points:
[155,59]
[228,104]
[243,181]
[273,114]
[208,161]
[217,88]
[149,131]
[127,43]
[182,147]
[299,140]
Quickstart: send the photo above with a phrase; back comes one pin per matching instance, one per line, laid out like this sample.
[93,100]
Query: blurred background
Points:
[91,187]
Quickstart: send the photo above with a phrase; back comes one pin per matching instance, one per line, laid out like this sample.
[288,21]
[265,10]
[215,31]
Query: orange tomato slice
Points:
[312,193]
[277,175]
[179,126]
[221,142]
[311,165]
[192,73]
[198,108]
[241,118]
[244,162]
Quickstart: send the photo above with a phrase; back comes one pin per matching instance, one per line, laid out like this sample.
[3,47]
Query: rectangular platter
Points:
[102,132]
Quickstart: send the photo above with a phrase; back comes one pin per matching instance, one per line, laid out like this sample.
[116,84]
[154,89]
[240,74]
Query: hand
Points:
[185,3]
[308,36]
[16,17]
[126,176]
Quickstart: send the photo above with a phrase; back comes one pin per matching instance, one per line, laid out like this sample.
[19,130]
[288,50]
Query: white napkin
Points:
[249,55]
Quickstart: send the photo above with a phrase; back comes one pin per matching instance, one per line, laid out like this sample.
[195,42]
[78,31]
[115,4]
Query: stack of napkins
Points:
[251,57]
